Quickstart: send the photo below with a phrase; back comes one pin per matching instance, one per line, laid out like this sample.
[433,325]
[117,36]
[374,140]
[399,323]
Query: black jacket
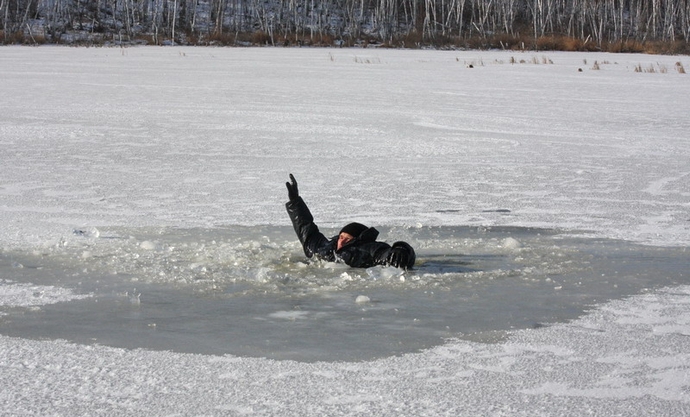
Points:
[361,252]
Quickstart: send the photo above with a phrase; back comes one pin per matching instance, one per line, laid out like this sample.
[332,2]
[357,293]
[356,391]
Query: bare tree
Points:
[600,20]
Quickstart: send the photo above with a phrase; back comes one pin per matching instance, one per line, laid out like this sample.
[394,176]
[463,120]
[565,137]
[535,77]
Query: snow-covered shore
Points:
[187,137]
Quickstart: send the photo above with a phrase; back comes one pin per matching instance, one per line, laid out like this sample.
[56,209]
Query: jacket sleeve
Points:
[312,240]
[368,254]
[365,255]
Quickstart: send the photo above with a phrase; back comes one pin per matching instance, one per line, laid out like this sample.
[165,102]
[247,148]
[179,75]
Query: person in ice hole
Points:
[355,244]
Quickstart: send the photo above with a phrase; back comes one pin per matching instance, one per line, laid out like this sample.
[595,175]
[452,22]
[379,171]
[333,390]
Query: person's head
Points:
[349,233]
[344,239]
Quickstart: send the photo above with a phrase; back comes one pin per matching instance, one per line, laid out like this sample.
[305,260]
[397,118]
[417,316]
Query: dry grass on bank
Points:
[412,40]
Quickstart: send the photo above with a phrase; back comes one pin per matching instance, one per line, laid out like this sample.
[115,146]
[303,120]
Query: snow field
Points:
[205,137]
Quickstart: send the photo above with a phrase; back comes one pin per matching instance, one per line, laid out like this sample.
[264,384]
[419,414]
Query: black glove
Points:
[397,257]
[292,189]
[401,255]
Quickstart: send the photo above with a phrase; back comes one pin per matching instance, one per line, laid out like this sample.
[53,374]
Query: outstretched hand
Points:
[398,258]
[293,193]
[401,255]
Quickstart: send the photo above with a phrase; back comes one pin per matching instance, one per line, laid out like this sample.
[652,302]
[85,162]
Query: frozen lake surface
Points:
[147,265]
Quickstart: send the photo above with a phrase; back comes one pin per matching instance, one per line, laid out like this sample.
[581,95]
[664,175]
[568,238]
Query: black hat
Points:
[354,229]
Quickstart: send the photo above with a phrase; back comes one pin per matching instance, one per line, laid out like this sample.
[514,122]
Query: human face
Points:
[344,239]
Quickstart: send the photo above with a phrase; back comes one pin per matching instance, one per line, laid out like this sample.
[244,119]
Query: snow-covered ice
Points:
[96,141]
[26,295]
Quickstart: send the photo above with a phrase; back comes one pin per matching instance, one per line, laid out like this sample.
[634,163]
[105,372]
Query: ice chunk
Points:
[511,243]
[362,299]
[148,245]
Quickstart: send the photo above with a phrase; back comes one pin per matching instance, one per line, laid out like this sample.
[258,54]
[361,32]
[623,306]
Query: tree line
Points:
[409,23]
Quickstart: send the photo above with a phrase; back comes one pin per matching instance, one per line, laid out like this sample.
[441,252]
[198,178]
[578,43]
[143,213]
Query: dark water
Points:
[249,291]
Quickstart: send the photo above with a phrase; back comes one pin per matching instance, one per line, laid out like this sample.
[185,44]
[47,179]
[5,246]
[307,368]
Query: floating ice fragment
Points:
[362,299]
[134,297]
[33,296]
[511,243]
[148,245]
[289,315]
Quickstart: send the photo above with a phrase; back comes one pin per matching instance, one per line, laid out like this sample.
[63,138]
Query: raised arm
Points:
[312,240]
